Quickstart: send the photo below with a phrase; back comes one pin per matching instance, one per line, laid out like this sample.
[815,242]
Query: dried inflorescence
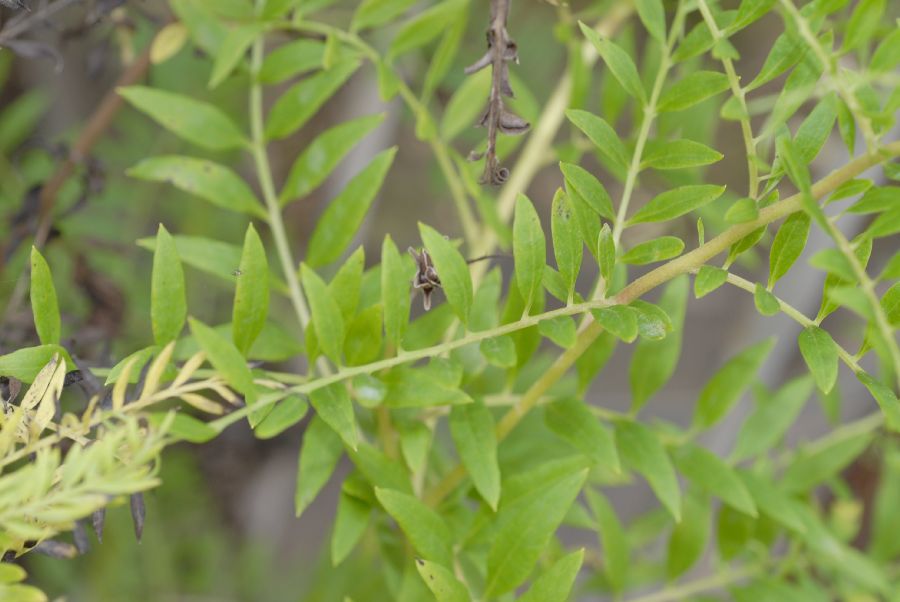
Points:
[501,50]
[426,277]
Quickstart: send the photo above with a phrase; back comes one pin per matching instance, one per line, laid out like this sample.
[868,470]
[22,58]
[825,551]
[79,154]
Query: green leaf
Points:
[653,16]
[525,530]
[723,390]
[887,401]
[285,414]
[337,226]
[677,202]
[424,387]
[303,100]
[876,200]
[612,539]
[652,251]
[887,56]
[228,362]
[443,56]
[168,305]
[326,314]
[429,534]
[864,21]
[708,279]
[654,361]
[601,134]
[679,154]
[251,298]
[350,522]
[372,13]
[44,306]
[555,584]
[815,129]
[788,245]
[773,502]
[203,178]
[394,292]
[197,122]
[290,59]
[472,428]
[766,303]
[561,330]
[456,280]
[499,351]
[379,470]
[619,320]
[821,356]
[424,27]
[324,153]
[708,472]
[618,61]
[346,284]
[641,451]
[689,537]
[320,451]
[441,582]
[771,418]
[742,211]
[334,406]
[232,50]
[529,250]
[26,363]
[589,189]
[567,245]
[185,427]
[571,419]
[890,303]
[813,465]
[692,89]
[606,254]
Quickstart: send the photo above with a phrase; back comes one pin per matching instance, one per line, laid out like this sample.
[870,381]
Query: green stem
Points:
[735,82]
[829,66]
[654,278]
[454,182]
[714,582]
[646,123]
[868,286]
[264,174]
[796,315]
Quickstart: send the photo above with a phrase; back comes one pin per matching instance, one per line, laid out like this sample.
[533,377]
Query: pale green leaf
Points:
[472,428]
[168,305]
[44,306]
[251,297]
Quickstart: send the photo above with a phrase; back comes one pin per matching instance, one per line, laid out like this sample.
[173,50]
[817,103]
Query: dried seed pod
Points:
[512,125]
[138,514]
[426,277]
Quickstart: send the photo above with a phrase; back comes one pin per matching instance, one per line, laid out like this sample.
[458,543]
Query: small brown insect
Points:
[426,277]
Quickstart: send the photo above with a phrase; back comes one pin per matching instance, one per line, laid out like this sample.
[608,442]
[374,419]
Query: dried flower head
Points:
[426,277]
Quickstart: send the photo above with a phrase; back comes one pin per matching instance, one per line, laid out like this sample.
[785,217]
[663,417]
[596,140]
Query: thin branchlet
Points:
[501,49]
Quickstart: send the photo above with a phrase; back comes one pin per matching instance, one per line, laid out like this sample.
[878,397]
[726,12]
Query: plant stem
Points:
[829,67]
[714,582]
[868,286]
[735,82]
[796,315]
[264,175]
[646,123]
[654,278]
[457,190]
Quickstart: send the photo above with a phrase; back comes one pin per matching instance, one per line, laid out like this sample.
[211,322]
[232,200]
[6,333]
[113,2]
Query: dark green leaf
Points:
[206,179]
[345,213]
[529,250]
[324,154]
[429,534]
[291,59]
[651,251]
[326,314]
[821,355]
[678,154]
[441,582]
[472,428]
[334,406]
[350,524]
[424,27]
[555,584]
[44,306]
[251,298]
[567,244]
[788,245]
[394,292]
[641,451]
[771,418]
[618,62]
[589,189]
[453,270]
[705,470]
[723,390]
[571,419]
[319,454]
[197,122]
[285,414]
[692,89]
[618,320]
[561,330]
[689,537]
[612,539]
[601,134]
[766,303]
[676,202]
[708,279]
[300,102]
[168,305]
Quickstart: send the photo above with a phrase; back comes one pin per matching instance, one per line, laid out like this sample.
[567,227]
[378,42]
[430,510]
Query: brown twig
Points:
[96,127]
[501,50]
